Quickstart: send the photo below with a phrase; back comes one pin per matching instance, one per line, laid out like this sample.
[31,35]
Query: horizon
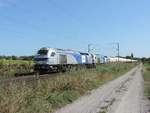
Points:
[26,26]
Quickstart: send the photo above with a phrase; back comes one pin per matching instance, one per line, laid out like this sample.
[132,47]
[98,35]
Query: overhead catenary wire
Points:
[101,48]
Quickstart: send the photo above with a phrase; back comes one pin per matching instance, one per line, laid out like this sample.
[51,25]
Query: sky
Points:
[28,25]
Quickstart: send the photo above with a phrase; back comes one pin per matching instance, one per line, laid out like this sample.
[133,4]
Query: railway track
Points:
[27,77]
[19,77]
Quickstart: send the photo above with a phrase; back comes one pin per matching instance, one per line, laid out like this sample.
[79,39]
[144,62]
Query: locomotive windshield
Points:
[53,54]
[42,52]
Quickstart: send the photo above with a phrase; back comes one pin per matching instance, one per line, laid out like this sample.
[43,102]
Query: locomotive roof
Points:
[65,50]
[60,49]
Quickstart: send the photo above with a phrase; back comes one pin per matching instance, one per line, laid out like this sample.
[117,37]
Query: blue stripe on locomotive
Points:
[77,57]
[40,59]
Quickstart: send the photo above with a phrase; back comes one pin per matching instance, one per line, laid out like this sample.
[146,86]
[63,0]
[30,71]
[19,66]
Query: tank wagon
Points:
[121,60]
[52,59]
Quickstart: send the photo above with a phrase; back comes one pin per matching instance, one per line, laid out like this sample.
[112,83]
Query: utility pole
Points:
[118,50]
[89,48]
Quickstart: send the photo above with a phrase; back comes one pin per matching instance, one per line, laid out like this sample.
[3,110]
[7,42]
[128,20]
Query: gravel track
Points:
[122,95]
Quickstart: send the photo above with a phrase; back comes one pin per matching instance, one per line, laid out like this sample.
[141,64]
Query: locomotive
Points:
[53,59]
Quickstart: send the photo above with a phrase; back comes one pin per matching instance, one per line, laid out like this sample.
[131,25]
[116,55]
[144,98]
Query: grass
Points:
[8,68]
[46,96]
[146,76]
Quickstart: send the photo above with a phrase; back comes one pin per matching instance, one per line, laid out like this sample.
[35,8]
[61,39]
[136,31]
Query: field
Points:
[147,79]
[45,96]
[8,68]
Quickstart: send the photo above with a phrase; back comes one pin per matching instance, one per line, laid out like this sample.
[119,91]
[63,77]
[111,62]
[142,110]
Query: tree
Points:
[14,57]
[128,57]
[132,56]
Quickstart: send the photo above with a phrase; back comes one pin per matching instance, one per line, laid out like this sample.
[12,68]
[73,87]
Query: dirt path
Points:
[123,95]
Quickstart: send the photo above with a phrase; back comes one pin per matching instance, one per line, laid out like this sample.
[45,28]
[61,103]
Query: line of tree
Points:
[145,60]
[17,57]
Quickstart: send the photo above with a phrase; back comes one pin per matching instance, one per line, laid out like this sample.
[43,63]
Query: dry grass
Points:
[45,96]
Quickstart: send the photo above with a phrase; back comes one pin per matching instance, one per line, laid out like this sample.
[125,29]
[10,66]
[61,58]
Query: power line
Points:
[89,48]
[117,49]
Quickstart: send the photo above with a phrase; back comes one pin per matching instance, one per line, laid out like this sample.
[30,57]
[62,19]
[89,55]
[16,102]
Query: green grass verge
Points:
[46,96]
[146,76]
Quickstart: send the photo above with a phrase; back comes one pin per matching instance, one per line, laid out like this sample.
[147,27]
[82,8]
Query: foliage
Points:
[17,58]
[145,60]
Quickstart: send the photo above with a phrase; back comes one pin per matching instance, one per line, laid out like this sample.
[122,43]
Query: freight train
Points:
[60,60]
[52,59]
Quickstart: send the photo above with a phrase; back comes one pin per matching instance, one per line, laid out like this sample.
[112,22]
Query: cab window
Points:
[42,52]
[53,54]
